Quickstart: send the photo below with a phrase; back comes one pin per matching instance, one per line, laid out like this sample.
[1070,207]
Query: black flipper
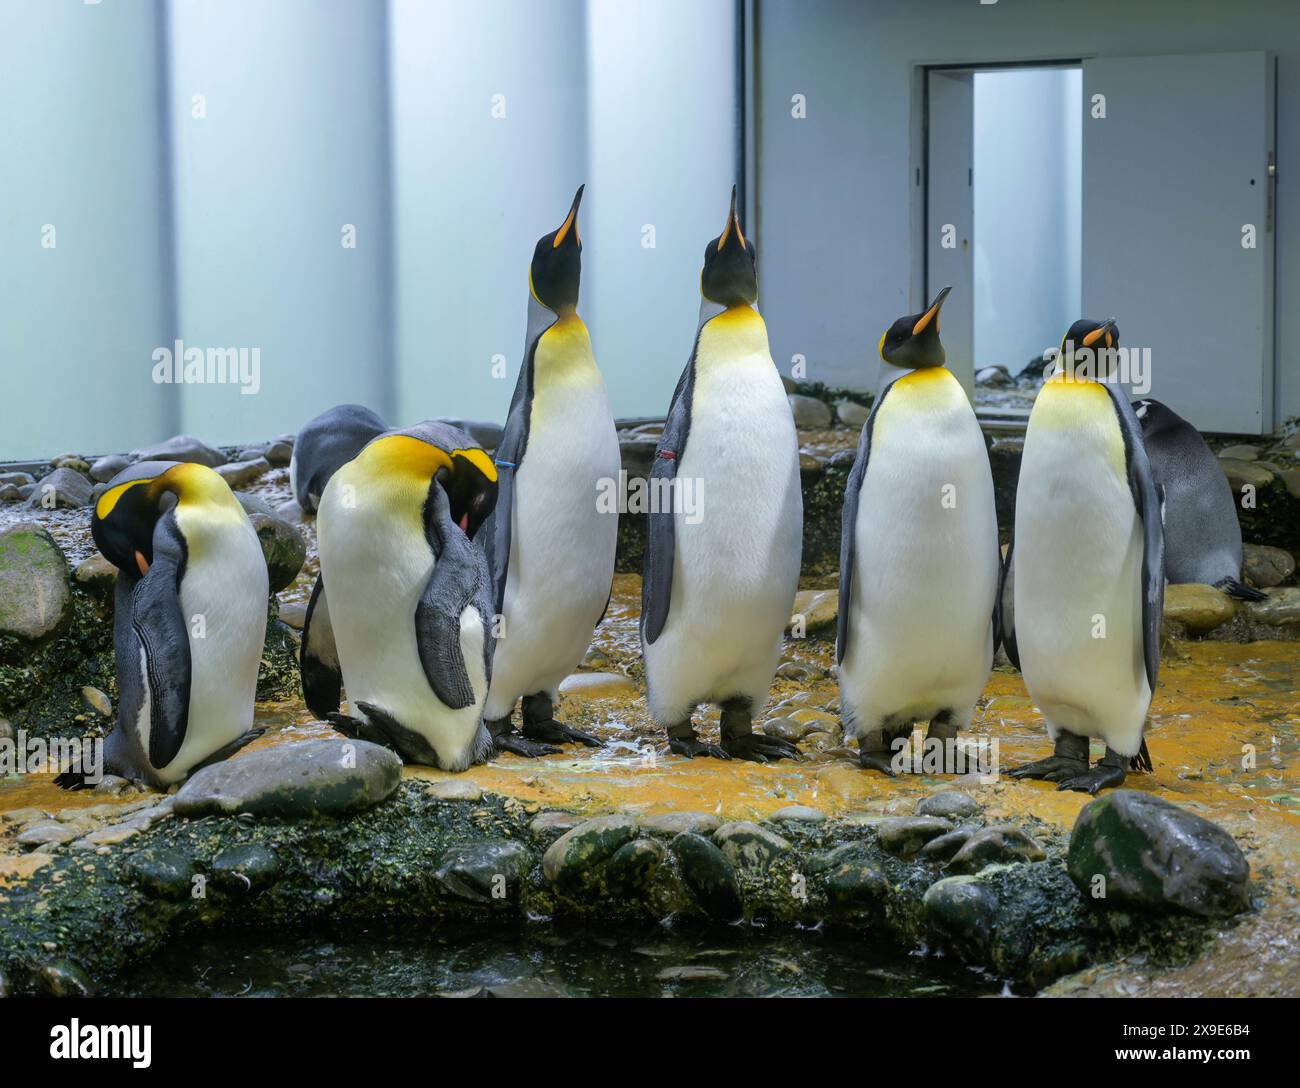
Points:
[1147,498]
[460,580]
[661,538]
[1004,613]
[160,626]
[1240,591]
[318,659]
[849,525]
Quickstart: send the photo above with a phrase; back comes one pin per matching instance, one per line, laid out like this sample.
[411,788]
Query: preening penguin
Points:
[401,613]
[1202,533]
[1088,557]
[919,555]
[189,620]
[551,543]
[324,445]
[720,579]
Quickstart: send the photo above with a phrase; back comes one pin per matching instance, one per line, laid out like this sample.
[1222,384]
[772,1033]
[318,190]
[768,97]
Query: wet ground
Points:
[1224,734]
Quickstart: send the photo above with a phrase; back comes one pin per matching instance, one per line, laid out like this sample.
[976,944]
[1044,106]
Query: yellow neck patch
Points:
[409,457]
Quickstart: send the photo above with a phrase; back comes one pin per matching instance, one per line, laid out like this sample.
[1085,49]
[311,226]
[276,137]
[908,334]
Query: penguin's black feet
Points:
[758,747]
[1069,761]
[540,724]
[506,739]
[360,729]
[692,746]
[876,759]
[942,727]
[1110,771]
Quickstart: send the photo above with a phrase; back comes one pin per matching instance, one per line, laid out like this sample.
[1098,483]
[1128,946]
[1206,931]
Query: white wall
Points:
[835,189]
[1027,139]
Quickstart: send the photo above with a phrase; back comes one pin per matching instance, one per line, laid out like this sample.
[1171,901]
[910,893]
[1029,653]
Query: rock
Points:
[633,865]
[290,512]
[294,781]
[810,467]
[6,729]
[569,860]
[820,608]
[16,479]
[279,454]
[97,574]
[692,972]
[905,835]
[785,729]
[162,872]
[10,493]
[1280,608]
[997,377]
[283,547]
[855,883]
[106,468]
[798,671]
[112,785]
[810,414]
[97,701]
[950,804]
[63,979]
[1155,856]
[710,876]
[1000,843]
[1242,452]
[455,789]
[249,867]
[549,822]
[181,447]
[1266,567]
[674,823]
[749,846]
[64,488]
[596,685]
[842,459]
[852,414]
[963,912]
[1199,608]
[242,473]
[945,846]
[1291,478]
[294,613]
[484,872]
[798,814]
[1242,473]
[34,587]
[46,834]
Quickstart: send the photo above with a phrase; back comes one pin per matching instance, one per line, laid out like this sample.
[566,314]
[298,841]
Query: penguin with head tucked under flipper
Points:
[326,443]
[722,557]
[189,620]
[1089,569]
[401,613]
[919,558]
[550,540]
[1202,533]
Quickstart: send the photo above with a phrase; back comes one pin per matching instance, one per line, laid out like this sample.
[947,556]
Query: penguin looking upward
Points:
[401,612]
[1202,533]
[550,543]
[919,558]
[189,620]
[1089,572]
[720,579]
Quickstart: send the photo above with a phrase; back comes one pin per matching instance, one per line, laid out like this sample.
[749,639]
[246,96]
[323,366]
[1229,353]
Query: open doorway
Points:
[1004,212]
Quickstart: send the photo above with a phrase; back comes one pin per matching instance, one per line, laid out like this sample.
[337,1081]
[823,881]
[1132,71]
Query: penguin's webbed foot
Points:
[1051,769]
[876,759]
[758,747]
[506,739]
[692,747]
[1109,772]
[553,732]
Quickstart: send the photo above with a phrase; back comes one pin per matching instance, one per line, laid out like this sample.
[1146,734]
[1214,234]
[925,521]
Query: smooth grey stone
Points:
[63,488]
[674,823]
[248,867]
[279,453]
[852,414]
[799,814]
[182,447]
[1266,567]
[710,876]
[16,479]
[950,804]
[810,414]
[34,582]
[455,789]
[242,473]
[905,835]
[484,872]
[997,844]
[549,822]
[106,468]
[748,845]
[964,913]
[294,781]
[945,846]
[162,872]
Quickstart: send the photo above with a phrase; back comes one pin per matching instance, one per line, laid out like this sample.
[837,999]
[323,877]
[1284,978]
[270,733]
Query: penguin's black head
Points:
[471,486]
[1088,348]
[557,264]
[912,342]
[729,277]
[125,515]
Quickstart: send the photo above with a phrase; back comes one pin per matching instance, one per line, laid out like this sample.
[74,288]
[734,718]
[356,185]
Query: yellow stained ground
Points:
[1224,734]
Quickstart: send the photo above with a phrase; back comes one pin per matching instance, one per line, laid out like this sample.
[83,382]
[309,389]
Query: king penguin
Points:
[550,541]
[325,444]
[1202,533]
[1089,568]
[919,557]
[401,613]
[189,620]
[721,570]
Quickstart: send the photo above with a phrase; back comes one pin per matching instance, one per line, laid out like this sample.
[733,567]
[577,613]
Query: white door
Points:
[1178,226]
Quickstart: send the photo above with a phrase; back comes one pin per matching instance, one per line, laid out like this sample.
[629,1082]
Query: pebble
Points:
[1244,473]
[97,574]
[1241,453]
[852,414]
[16,479]
[810,414]
[710,877]
[963,911]
[905,835]
[674,823]
[997,844]
[34,582]
[106,468]
[951,804]
[799,814]
[248,867]
[1199,608]
[182,447]
[240,474]
[294,613]
[279,453]
[549,822]
[596,685]
[455,790]
[97,701]
[46,834]
[692,973]
[945,846]
[1266,567]
[748,845]
[819,609]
